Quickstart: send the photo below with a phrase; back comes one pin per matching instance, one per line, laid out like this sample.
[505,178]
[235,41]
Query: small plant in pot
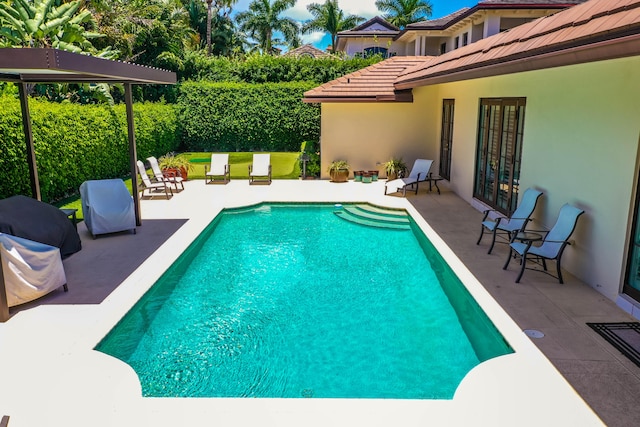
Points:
[395,168]
[178,164]
[339,171]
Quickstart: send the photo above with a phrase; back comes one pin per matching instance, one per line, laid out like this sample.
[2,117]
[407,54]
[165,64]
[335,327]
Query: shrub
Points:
[74,143]
[246,117]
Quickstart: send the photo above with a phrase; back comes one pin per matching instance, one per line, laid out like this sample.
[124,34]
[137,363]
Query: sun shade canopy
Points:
[41,65]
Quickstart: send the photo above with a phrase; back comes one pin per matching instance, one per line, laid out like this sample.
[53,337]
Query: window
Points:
[465,39]
[456,42]
[443,48]
[446,138]
[370,51]
[498,152]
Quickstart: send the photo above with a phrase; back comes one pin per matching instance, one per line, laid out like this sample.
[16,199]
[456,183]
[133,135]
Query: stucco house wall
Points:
[369,134]
[580,146]
[581,137]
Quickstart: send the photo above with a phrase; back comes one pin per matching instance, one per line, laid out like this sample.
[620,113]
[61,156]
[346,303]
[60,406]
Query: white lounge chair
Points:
[261,168]
[107,206]
[151,187]
[171,178]
[219,168]
[419,172]
[31,269]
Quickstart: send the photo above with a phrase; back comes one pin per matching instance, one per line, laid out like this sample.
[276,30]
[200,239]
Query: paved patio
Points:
[104,278]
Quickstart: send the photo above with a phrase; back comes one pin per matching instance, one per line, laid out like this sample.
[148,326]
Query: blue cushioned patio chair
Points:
[510,226]
[552,245]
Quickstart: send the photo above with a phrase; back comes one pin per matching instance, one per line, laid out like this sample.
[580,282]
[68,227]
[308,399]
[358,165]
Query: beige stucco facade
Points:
[581,138]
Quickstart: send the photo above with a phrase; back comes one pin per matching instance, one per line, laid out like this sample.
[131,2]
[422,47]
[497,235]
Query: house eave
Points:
[611,48]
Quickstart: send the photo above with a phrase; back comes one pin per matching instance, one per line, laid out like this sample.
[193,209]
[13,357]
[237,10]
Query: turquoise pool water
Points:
[291,301]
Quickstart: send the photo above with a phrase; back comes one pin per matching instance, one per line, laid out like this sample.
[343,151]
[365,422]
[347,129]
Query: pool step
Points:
[373,216]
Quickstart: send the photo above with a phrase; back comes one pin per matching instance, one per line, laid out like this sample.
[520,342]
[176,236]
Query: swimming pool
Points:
[292,301]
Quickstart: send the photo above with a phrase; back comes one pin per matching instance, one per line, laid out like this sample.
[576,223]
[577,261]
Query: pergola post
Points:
[28,138]
[133,155]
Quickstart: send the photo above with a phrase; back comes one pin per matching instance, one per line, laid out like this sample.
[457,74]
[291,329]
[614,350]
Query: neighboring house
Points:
[552,104]
[438,36]
[308,51]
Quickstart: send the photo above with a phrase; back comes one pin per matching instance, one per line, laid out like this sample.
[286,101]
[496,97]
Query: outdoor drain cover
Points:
[532,333]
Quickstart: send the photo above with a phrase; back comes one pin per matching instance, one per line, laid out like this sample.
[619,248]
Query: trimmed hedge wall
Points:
[247,117]
[74,143]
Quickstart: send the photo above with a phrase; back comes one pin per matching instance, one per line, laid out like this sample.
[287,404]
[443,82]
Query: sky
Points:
[365,8]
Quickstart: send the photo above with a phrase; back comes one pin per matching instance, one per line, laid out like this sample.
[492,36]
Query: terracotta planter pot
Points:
[341,175]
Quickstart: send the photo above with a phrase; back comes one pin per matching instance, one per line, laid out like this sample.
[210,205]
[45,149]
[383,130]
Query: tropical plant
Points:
[339,165]
[404,12]
[328,17]
[41,23]
[175,161]
[263,20]
[395,167]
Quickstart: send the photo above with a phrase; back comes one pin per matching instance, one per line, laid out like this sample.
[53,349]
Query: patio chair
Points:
[552,245]
[219,169]
[260,168]
[107,206]
[419,172]
[173,178]
[31,269]
[516,224]
[151,187]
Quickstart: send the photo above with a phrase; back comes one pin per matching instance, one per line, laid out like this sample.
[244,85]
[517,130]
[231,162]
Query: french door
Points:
[446,138]
[499,152]
[632,278]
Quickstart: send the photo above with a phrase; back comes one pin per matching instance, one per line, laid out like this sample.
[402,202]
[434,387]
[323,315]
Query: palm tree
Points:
[328,17]
[40,23]
[263,19]
[404,12]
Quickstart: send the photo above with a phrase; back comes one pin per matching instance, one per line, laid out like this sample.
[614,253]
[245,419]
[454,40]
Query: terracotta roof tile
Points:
[594,20]
[373,83]
[575,31]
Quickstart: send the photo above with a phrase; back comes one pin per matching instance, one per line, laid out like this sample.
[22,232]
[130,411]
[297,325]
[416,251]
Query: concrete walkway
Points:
[604,377]
[104,281]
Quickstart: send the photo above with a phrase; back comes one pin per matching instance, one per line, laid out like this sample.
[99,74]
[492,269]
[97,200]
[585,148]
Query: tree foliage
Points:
[264,18]
[404,12]
[328,17]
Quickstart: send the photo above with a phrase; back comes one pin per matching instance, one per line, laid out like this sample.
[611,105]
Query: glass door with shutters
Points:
[498,152]
[632,278]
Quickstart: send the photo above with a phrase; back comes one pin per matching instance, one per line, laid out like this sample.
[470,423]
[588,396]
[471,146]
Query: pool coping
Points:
[517,389]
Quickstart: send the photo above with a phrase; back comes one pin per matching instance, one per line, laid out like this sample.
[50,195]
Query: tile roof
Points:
[583,33]
[307,50]
[373,83]
[592,31]
[364,30]
[449,20]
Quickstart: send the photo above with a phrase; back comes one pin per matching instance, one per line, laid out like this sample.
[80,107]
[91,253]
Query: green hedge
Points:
[258,68]
[74,143]
[246,117]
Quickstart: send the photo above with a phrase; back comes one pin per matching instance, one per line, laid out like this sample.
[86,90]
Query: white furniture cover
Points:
[107,206]
[31,269]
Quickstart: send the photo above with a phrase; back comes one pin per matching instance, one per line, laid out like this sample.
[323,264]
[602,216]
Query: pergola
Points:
[41,65]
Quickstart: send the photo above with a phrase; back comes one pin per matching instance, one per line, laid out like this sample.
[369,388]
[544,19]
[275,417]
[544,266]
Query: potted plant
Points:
[178,164]
[395,168]
[339,171]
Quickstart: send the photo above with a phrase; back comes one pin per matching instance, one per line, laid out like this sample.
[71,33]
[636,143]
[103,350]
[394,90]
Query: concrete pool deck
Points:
[53,377]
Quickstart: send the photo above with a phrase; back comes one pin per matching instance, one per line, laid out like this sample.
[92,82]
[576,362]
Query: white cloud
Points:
[365,8]
[312,38]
